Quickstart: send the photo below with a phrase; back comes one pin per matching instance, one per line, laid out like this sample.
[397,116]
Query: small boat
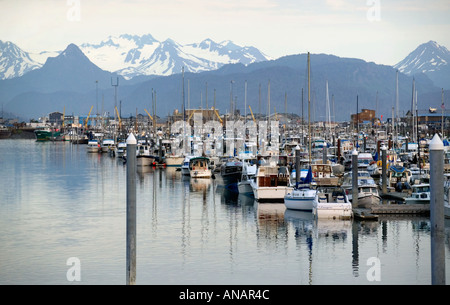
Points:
[143,155]
[249,169]
[185,166]
[108,145]
[199,167]
[173,161]
[331,202]
[5,133]
[368,194]
[420,194]
[231,171]
[271,183]
[93,146]
[302,197]
[121,150]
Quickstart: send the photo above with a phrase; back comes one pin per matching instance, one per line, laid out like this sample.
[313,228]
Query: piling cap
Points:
[436,143]
[131,140]
[297,147]
[355,152]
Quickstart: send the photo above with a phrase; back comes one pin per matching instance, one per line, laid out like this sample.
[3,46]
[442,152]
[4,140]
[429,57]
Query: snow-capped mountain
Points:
[15,62]
[132,55]
[427,57]
[430,59]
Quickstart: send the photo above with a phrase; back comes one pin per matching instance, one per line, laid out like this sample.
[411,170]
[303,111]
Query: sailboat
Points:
[302,197]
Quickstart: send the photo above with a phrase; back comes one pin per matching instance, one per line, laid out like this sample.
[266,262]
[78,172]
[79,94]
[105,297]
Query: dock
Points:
[401,209]
[373,212]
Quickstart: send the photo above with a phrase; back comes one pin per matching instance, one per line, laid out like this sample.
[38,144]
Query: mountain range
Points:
[133,55]
[72,81]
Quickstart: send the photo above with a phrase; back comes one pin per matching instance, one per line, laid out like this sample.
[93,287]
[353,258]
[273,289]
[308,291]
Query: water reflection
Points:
[67,202]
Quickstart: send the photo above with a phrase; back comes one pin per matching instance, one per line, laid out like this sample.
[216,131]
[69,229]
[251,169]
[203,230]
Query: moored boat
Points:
[199,167]
[331,202]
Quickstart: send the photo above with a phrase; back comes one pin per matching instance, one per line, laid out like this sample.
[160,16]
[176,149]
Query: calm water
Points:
[57,201]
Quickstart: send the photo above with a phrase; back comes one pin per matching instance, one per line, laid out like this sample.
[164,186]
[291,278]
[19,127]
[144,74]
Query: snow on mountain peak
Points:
[425,58]
[133,55]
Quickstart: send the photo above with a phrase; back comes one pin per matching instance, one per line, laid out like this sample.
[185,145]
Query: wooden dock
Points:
[401,209]
[373,212]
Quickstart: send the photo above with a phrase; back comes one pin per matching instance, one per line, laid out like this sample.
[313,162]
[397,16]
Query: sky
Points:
[380,31]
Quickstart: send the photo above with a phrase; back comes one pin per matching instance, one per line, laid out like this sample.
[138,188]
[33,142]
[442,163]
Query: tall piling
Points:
[383,171]
[131,210]
[355,179]
[437,211]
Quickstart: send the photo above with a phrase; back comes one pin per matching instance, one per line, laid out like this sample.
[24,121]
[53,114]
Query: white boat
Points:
[121,150]
[93,146]
[331,202]
[420,194]
[185,166]
[249,168]
[300,199]
[174,161]
[143,155]
[271,183]
[199,167]
[108,145]
[302,196]
[368,194]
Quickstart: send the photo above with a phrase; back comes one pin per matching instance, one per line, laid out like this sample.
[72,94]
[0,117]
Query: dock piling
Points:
[131,210]
[437,211]
[355,179]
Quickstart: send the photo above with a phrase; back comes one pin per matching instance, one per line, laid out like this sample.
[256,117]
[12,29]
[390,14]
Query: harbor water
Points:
[60,204]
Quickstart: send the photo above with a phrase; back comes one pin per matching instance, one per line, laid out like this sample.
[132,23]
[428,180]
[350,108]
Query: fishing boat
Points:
[368,193]
[93,146]
[108,145]
[231,171]
[173,160]
[121,150]
[399,178]
[331,202]
[420,194]
[199,167]
[271,183]
[47,134]
[5,133]
[143,154]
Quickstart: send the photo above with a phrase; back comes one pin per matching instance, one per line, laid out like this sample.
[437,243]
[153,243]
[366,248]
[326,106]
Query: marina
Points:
[59,202]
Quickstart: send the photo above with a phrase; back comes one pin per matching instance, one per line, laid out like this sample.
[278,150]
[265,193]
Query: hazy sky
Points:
[374,30]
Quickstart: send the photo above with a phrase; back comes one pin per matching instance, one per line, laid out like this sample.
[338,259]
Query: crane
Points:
[120,120]
[87,119]
[253,117]
[217,114]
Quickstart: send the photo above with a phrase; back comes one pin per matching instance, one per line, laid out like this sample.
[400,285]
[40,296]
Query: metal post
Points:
[325,155]
[437,211]
[355,179]
[131,210]
[383,171]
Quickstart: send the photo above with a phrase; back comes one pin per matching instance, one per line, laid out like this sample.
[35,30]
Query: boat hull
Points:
[301,200]
[174,161]
[269,193]
[332,210]
[144,160]
[244,187]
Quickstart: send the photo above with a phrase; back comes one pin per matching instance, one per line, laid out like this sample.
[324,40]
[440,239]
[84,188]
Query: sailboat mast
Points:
[309,109]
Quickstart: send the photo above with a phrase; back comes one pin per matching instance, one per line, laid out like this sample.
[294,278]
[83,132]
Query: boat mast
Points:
[309,109]
[442,108]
